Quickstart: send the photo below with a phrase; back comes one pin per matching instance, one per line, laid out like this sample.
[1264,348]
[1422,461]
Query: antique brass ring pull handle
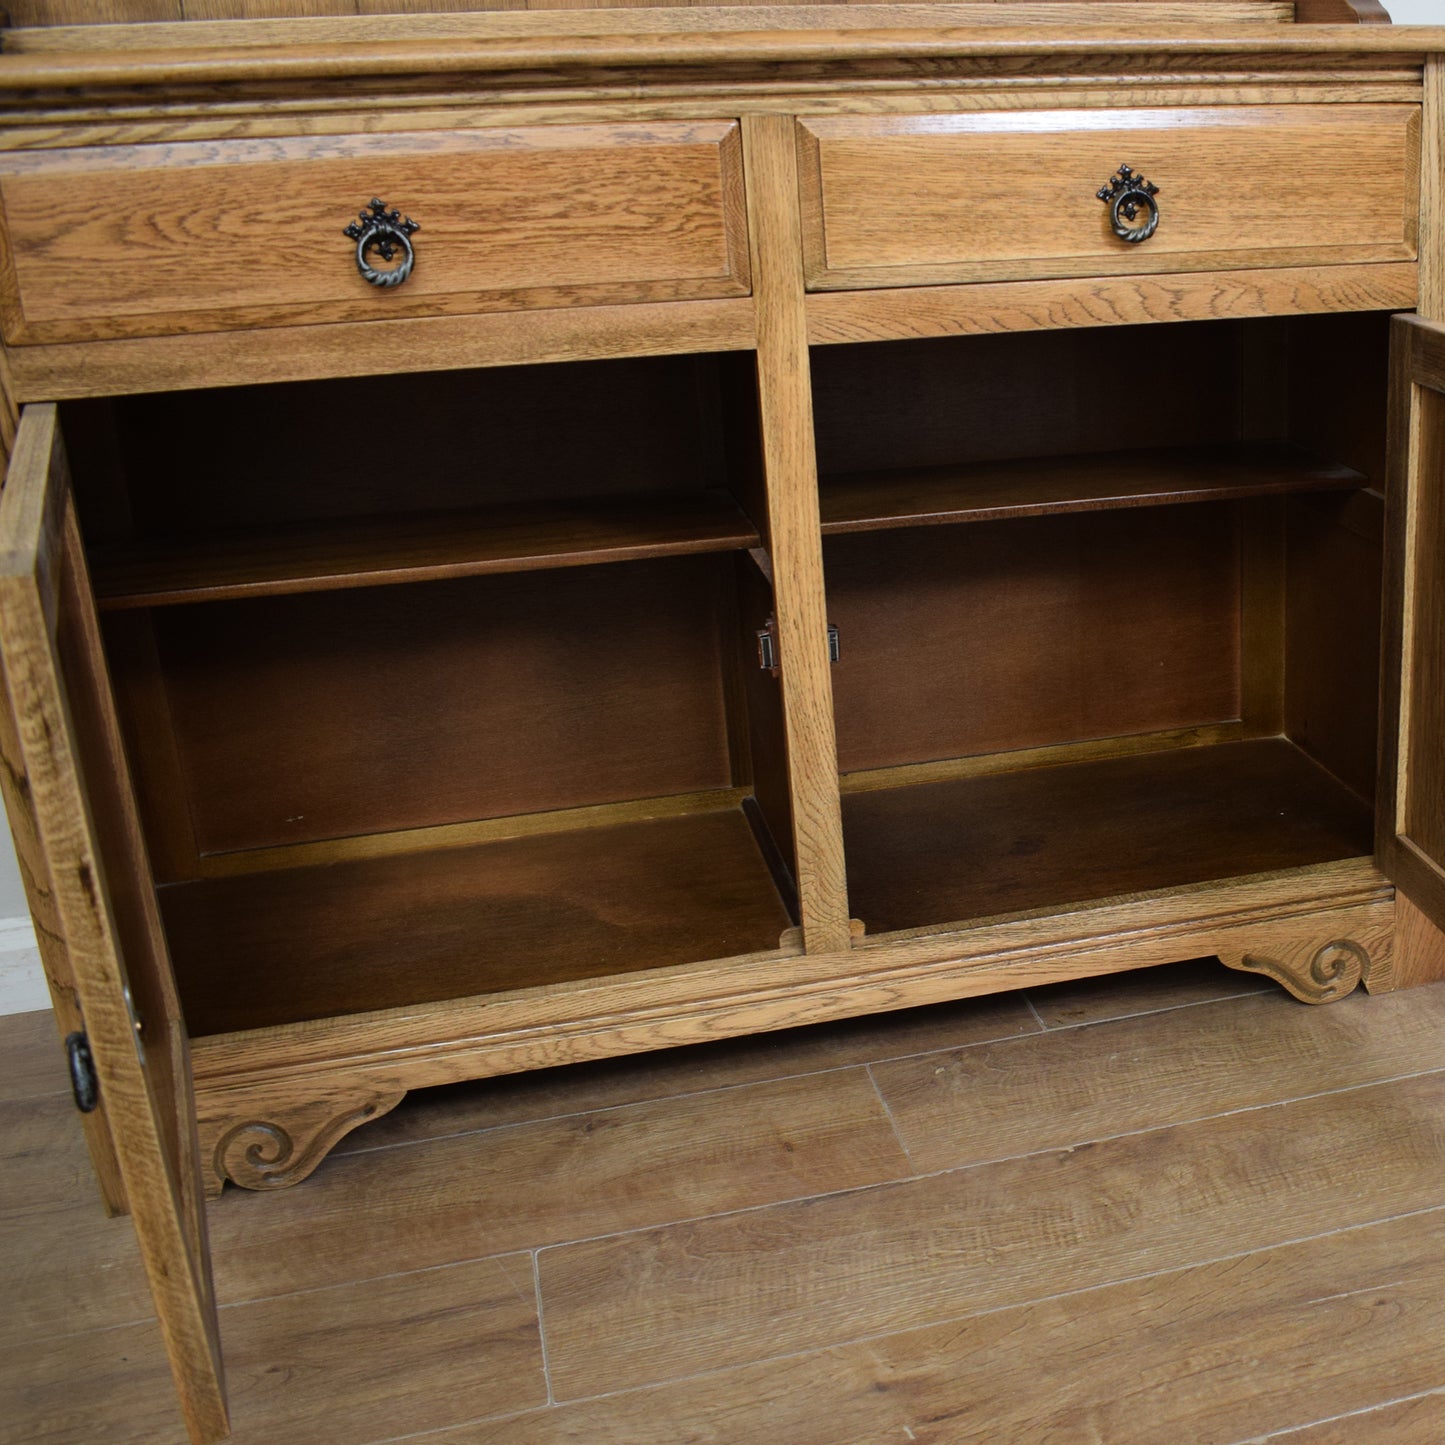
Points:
[1127,195]
[385,234]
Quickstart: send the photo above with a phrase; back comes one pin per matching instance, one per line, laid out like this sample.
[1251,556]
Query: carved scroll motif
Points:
[278,1152]
[1329,973]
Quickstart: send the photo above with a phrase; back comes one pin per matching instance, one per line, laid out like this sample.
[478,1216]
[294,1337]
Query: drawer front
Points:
[149,240]
[919,200]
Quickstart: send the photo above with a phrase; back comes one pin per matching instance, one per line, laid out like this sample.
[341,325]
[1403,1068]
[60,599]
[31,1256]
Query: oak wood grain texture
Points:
[880,315]
[1318,969]
[789,464]
[448,923]
[1050,755]
[896,201]
[248,1074]
[66,1017]
[988,845]
[386,551]
[1410,816]
[460,1342]
[789,39]
[1419,945]
[1022,1096]
[959,642]
[1148,990]
[282,1145]
[249,234]
[180,363]
[41,21]
[1036,487]
[612,97]
[1219,1350]
[503,695]
[768,1282]
[669,1073]
[1432,192]
[412,1207]
[42,584]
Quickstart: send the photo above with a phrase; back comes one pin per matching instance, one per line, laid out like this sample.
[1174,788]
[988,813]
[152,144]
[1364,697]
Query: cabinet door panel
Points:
[70,773]
[1410,843]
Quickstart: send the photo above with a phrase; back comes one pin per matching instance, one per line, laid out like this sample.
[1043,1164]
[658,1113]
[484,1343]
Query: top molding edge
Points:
[588,49]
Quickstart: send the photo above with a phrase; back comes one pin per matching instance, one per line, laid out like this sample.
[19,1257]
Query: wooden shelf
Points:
[375,551]
[974,847]
[1040,486]
[345,937]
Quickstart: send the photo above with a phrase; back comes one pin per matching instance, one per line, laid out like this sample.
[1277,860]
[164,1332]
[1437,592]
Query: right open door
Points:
[66,773]
[1410,832]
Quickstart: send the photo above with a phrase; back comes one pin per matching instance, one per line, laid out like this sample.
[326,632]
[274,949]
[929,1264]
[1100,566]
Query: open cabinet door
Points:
[69,770]
[1410,839]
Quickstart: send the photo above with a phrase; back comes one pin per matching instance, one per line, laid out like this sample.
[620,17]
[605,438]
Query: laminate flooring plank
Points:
[34,1060]
[1062,1088]
[112,1385]
[44,1164]
[656,1304]
[1418,1421]
[1145,990]
[69,1271]
[668,1073]
[343,1366]
[489,1193]
[1207,1355]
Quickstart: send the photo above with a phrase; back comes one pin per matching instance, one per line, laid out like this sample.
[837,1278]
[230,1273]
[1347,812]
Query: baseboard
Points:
[22,979]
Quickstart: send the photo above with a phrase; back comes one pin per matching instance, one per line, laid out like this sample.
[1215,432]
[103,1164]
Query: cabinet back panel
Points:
[333,714]
[1332,633]
[212,461]
[1339,374]
[940,402]
[973,639]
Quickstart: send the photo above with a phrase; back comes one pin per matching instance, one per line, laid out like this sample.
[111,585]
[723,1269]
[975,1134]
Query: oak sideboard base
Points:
[743,580]
[273,1103]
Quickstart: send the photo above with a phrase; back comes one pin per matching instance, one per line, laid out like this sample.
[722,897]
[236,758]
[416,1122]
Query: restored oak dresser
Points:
[539,535]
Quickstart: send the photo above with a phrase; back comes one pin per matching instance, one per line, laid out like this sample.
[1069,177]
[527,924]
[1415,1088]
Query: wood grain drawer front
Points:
[150,240]
[918,200]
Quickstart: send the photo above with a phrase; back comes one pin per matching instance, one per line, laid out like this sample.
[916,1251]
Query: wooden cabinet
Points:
[781,554]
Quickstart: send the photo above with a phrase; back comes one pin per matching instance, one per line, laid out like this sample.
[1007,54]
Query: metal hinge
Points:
[84,1083]
[768,645]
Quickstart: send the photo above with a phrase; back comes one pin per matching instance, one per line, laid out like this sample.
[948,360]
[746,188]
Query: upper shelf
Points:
[374,551]
[1040,486]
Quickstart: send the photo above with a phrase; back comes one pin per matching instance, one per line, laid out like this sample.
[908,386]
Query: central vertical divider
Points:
[794,541]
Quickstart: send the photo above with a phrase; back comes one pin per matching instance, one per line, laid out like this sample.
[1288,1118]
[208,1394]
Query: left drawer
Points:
[147,240]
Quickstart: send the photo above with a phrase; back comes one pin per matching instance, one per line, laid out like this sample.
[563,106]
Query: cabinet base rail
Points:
[272,1103]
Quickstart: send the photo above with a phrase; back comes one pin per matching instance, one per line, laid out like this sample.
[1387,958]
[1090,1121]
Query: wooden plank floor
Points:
[1169,1206]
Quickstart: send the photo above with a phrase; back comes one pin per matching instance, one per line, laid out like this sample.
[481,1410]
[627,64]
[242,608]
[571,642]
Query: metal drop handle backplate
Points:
[1129,196]
[386,234]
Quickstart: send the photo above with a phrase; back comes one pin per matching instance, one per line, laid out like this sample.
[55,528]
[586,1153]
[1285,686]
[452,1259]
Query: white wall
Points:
[20,983]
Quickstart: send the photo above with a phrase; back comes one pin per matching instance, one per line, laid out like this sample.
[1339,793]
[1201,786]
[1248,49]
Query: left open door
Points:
[68,771]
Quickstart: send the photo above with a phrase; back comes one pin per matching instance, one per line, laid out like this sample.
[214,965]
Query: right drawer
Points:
[915,200]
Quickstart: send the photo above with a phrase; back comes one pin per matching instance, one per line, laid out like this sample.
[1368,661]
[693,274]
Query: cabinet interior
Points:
[440,685]
[1109,608]
[445,685]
